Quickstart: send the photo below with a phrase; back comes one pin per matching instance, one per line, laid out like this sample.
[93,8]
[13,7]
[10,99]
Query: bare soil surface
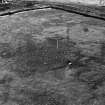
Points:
[51,57]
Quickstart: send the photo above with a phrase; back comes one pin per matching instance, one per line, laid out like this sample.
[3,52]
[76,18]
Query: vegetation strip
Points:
[86,10]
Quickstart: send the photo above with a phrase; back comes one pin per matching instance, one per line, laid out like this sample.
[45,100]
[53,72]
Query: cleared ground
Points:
[51,57]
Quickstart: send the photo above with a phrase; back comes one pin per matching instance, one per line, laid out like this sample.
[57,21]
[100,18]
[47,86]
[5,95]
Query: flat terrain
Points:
[52,57]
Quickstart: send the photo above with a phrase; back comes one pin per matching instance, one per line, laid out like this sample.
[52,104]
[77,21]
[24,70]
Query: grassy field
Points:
[88,2]
[52,57]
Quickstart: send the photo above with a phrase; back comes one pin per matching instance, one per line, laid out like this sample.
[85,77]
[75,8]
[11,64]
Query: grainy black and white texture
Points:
[52,57]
